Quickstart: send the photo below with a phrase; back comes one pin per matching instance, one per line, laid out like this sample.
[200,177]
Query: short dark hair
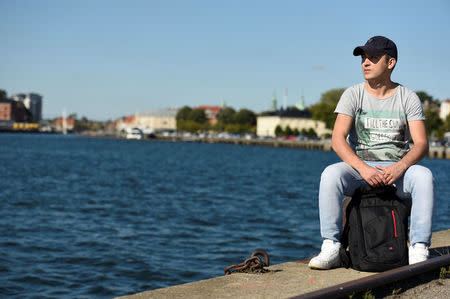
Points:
[388,57]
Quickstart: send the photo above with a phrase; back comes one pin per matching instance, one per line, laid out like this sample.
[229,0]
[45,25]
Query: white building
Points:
[157,120]
[294,118]
[445,109]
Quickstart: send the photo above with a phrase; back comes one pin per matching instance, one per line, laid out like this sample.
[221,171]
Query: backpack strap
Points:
[345,259]
[343,253]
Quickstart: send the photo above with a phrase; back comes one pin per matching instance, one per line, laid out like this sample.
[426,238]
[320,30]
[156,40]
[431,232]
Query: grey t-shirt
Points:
[380,130]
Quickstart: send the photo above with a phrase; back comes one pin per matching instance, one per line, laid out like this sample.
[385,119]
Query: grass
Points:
[396,291]
[366,295]
[445,272]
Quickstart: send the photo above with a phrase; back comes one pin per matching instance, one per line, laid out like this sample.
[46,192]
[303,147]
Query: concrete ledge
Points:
[321,145]
[283,281]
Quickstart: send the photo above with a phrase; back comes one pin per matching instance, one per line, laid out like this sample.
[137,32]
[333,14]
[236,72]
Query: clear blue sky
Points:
[105,58]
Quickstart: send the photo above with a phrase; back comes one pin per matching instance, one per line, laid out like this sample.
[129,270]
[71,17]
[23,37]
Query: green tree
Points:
[446,125]
[192,126]
[312,132]
[198,115]
[233,128]
[182,118]
[183,113]
[324,110]
[191,120]
[288,131]
[295,132]
[72,116]
[226,116]
[81,126]
[304,132]
[245,117]
[278,131]
[3,94]
[432,122]
[425,97]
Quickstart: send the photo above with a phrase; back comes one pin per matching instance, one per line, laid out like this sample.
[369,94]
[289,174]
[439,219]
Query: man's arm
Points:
[344,151]
[420,149]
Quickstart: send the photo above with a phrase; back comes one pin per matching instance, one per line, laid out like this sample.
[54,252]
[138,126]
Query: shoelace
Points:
[328,251]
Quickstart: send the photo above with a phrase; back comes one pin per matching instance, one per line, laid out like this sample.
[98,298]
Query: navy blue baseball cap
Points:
[377,45]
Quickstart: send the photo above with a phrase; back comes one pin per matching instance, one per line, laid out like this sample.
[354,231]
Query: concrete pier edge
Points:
[286,280]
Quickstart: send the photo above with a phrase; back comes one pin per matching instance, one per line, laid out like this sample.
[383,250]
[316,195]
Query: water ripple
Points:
[103,218]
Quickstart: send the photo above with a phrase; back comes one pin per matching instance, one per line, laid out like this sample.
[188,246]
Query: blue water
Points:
[104,217]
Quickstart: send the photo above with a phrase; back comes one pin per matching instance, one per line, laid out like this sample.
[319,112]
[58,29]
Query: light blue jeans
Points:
[340,180]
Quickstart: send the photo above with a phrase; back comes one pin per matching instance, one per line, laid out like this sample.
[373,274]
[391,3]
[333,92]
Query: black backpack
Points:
[376,230]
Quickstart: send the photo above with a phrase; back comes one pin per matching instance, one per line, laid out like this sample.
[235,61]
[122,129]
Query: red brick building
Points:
[6,110]
[211,113]
[14,111]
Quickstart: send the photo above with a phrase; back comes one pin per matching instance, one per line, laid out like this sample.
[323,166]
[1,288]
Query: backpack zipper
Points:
[395,225]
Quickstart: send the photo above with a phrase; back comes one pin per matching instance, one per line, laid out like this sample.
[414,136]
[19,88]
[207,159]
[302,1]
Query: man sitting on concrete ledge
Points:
[379,117]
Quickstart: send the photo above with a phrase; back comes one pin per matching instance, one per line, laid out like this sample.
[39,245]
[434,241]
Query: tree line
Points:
[228,120]
[84,124]
[288,131]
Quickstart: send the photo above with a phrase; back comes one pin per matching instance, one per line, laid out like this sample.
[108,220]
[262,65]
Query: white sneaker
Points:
[418,253]
[328,257]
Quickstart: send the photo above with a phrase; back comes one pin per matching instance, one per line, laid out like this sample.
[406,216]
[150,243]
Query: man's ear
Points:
[391,63]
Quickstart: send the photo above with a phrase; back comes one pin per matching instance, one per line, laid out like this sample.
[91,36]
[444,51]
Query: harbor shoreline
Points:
[436,152]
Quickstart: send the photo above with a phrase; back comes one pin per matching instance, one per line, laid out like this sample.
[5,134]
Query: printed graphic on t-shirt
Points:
[382,123]
[381,135]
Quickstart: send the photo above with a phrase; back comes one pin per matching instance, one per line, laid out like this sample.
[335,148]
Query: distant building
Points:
[211,113]
[14,111]
[7,110]
[6,114]
[32,102]
[123,123]
[294,118]
[445,109]
[58,124]
[110,126]
[157,120]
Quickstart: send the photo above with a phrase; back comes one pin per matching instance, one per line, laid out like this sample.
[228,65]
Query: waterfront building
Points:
[266,122]
[14,111]
[59,126]
[157,120]
[445,109]
[32,102]
[126,122]
[6,110]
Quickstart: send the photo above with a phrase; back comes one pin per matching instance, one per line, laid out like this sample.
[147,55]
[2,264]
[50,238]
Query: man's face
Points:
[374,67]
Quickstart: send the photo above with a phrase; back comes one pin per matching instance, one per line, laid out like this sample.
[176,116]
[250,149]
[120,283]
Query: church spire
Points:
[301,104]
[274,103]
